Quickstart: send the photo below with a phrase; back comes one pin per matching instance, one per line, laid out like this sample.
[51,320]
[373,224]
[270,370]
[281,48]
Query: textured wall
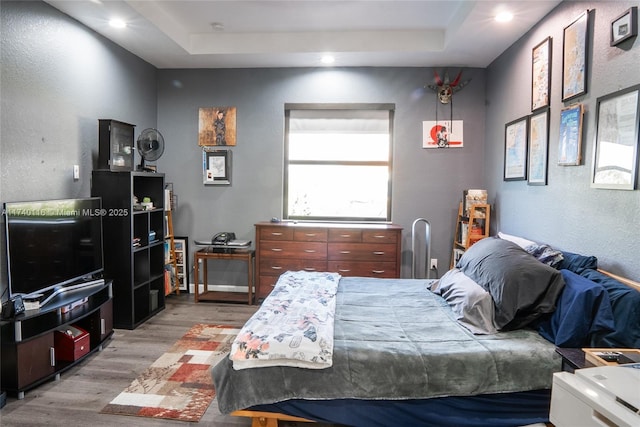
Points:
[426,183]
[57,79]
[567,213]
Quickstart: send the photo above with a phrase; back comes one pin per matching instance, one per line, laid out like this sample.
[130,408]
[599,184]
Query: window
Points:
[338,160]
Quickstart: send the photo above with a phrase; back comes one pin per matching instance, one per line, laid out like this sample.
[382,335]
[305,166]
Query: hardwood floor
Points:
[77,398]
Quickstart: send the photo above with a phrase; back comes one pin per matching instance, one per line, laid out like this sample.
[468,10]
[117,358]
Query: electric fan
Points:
[150,146]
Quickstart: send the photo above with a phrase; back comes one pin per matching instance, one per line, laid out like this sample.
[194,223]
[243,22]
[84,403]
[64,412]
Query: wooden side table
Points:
[223,253]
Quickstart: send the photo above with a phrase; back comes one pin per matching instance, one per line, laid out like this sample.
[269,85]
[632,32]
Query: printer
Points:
[600,396]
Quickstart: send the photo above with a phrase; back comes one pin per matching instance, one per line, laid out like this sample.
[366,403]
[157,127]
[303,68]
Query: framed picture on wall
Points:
[216,166]
[541,74]
[615,155]
[574,57]
[217,126]
[516,134]
[624,26]
[538,148]
[570,143]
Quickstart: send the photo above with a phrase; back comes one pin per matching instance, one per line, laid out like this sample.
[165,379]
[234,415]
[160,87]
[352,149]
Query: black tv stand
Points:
[27,341]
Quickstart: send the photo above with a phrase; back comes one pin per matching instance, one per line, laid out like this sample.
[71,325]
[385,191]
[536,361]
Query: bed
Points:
[426,352]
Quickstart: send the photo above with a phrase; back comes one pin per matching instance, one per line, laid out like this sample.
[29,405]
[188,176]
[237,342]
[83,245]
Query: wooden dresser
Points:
[368,250]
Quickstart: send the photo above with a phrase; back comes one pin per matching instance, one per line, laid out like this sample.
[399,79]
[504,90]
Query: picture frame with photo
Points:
[574,57]
[615,154]
[570,143]
[538,156]
[541,74]
[216,166]
[516,134]
[624,26]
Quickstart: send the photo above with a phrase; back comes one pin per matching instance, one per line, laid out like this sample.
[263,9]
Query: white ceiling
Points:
[295,33]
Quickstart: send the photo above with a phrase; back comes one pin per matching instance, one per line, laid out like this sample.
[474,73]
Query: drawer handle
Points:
[345,252]
[310,251]
[310,234]
[309,269]
[379,236]
[378,253]
[103,327]
[377,271]
[52,356]
[275,233]
[276,268]
[346,236]
[343,270]
[276,250]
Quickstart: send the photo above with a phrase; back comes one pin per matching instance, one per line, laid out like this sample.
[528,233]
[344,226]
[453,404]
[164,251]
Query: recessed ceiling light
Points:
[504,17]
[327,59]
[117,23]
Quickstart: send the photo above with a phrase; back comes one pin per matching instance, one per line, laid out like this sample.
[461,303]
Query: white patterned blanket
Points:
[294,325]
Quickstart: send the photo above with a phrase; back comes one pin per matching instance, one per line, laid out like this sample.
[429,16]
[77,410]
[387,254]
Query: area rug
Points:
[178,385]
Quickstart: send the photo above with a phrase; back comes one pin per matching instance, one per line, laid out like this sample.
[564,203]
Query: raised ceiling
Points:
[296,33]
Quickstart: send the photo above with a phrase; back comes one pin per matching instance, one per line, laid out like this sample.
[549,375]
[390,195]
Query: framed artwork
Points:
[442,134]
[182,253]
[570,144]
[624,26]
[574,57]
[216,166]
[538,148]
[541,74]
[216,126]
[516,134]
[615,154]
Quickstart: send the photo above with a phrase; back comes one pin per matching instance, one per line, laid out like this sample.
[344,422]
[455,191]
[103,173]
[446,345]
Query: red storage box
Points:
[71,343]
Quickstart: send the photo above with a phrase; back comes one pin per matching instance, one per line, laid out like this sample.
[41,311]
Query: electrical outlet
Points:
[434,264]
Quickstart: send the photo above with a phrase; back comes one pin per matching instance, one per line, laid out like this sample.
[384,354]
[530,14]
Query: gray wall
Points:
[567,213]
[57,79]
[426,183]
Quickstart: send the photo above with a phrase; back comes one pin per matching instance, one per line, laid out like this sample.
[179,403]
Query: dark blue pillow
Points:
[582,315]
[625,302]
[577,262]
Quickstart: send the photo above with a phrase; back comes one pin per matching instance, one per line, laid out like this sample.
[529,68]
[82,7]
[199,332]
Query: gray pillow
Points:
[522,287]
[471,304]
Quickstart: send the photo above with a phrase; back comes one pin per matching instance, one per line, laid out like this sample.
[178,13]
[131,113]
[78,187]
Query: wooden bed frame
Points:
[268,419]
[271,419]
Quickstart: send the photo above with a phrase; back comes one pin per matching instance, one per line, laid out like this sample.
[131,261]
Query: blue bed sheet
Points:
[496,410]
[582,316]
[625,303]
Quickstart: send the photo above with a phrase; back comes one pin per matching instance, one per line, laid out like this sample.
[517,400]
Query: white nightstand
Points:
[600,396]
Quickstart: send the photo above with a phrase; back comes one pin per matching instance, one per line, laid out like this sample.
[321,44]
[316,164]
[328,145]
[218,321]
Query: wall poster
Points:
[442,134]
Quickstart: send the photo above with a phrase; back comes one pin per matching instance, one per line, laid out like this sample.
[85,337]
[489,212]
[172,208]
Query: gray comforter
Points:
[394,339]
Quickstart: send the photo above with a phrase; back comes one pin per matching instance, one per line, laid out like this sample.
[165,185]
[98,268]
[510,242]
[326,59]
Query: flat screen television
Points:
[52,244]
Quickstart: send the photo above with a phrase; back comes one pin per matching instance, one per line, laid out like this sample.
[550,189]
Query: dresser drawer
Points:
[379,236]
[265,285]
[276,233]
[277,266]
[362,252]
[293,250]
[364,268]
[345,235]
[304,234]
